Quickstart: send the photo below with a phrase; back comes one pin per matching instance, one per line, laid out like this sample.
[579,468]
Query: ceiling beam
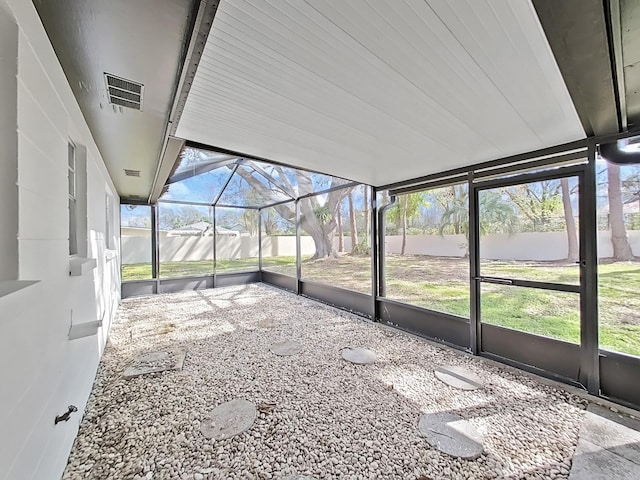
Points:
[578,33]
[172,150]
[200,32]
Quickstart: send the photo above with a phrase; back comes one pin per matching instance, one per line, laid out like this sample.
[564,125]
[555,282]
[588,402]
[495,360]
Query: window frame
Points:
[72,193]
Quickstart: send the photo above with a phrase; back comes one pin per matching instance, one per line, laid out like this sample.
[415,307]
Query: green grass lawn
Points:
[442,284]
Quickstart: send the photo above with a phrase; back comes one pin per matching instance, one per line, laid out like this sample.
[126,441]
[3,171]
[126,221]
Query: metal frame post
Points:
[475,329]
[215,240]
[260,239]
[298,250]
[155,251]
[373,235]
[382,281]
[589,341]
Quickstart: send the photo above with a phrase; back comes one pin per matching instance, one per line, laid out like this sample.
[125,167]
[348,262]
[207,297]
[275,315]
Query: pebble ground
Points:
[319,415]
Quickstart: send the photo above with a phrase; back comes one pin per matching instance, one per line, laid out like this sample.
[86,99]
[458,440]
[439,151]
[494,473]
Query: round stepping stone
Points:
[459,377]
[267,324]
[359,355]
[286,348]
[229,419]
[451,434]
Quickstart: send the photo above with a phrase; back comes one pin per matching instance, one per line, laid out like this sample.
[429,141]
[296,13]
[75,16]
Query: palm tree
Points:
[497,215]
[406,209]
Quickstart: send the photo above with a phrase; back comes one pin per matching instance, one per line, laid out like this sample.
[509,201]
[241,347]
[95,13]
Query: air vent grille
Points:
[124,103]
[116,92]
[124,93]
[131,173]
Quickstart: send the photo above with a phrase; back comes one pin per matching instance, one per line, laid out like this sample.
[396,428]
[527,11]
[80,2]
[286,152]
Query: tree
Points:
[340,230]
[250,221]
[172,217]
[455,209]
[366,213]
[352,223]
[497,215]
[572,235]
[538,202]
[317,213]
[406,208]
[619,241]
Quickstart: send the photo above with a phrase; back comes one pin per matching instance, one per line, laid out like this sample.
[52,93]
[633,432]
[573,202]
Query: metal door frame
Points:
[587,355]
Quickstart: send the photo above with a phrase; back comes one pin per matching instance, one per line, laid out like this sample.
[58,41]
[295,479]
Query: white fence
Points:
[540,246]
[137,248]
[547,246]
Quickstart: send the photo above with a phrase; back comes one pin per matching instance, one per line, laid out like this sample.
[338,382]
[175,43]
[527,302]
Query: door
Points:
[527,276]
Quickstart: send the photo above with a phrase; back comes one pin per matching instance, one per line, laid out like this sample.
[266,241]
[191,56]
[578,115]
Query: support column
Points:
[589,341]
[475,330]
[298,250]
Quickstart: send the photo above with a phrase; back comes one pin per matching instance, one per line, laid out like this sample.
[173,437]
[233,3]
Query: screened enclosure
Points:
[532,260]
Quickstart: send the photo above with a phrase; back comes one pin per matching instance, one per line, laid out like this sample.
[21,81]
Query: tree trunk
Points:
[321,233]
[340,232]
[619,241]
[404,224]
[352,224]
[455,219]
[572,235]
[366,214]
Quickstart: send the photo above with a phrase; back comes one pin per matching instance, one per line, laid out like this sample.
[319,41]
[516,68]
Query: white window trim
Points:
[72,192]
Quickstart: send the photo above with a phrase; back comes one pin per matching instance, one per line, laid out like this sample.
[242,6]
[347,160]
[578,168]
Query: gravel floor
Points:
[331,419]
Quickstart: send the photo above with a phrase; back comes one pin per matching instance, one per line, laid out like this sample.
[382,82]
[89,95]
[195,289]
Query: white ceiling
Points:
[378,91]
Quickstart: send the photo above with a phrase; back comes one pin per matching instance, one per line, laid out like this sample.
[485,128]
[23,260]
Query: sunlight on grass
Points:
[442,284]
[542,312]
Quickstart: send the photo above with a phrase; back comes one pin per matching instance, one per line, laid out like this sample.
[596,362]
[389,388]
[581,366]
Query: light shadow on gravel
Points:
[331,419]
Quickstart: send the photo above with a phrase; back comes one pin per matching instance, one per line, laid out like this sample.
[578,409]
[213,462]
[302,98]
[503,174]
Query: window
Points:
[73,201]
[108,227]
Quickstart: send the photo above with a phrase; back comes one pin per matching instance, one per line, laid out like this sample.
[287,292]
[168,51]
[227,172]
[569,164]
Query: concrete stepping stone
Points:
[451,434]
[458,377]
[608,442]
[267,324]
[155,362]
[359,355]
[286,348]
[229,419]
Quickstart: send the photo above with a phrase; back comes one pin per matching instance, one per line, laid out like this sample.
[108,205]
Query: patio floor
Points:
[318,416]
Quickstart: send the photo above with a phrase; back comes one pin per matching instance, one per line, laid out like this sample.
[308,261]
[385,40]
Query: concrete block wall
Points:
[41,370]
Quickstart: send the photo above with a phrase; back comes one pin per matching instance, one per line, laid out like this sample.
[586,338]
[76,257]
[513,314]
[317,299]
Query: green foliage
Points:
[497,214]
[362,248]
[407,206]
[172,217]
[539,205]
[323,214]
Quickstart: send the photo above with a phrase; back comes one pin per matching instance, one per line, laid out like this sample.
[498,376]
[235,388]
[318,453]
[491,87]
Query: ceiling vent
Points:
[131,173]
[124,93]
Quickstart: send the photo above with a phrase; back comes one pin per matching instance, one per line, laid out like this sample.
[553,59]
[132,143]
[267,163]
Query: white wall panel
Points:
[378,91]
[41,370]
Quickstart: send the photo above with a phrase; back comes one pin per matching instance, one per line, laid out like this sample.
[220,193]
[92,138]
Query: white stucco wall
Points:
[41,370]
[537,246]
[137,248]
[540,246]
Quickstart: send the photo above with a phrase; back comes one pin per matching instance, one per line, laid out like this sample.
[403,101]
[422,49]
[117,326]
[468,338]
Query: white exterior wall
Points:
[538,246]
[41,370]
[137,248]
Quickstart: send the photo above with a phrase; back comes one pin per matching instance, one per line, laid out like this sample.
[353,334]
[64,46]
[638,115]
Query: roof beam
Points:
[577,31]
